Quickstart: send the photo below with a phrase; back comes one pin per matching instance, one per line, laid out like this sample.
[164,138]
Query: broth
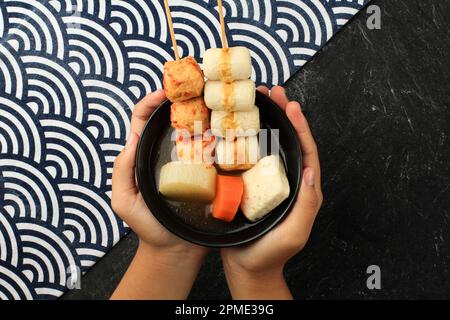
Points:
[197,215]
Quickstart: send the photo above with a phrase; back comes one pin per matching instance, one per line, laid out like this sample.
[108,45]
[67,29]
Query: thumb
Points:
[308,199]
[302,217]
[123,178]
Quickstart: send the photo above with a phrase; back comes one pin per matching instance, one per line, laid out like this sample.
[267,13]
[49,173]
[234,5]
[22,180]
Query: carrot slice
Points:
[229,192]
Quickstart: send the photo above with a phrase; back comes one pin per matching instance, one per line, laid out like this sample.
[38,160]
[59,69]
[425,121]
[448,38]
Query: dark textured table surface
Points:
[378,102]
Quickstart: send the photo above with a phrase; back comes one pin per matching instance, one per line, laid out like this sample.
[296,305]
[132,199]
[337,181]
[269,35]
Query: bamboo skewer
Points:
[222,24]
[171,30]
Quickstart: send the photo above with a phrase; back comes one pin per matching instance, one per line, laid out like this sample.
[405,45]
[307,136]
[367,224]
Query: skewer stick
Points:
[171,30]
[222,24]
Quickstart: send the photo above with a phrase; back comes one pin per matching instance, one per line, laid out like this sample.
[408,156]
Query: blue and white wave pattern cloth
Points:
[70,73]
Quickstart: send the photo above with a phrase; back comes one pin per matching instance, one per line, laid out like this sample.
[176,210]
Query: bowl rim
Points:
[246,240]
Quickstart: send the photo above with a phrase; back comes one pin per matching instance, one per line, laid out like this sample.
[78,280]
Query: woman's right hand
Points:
[255,271]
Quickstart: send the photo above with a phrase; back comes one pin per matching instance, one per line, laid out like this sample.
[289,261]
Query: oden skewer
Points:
[183,78]
[171,30]
[222,25]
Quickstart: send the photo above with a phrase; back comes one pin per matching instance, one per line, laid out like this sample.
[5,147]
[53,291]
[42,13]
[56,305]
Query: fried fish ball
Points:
[195,149]
[227,65]
[191,115]
[183,79]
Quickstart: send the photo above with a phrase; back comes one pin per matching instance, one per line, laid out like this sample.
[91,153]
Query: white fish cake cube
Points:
[265,187]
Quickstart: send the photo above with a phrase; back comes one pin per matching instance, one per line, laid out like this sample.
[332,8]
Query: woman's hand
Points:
[165,266]
[255,271]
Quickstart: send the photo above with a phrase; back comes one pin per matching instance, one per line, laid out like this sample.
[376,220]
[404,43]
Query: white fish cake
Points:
[235,96]
[227,65]
[265,187]
[239,154]
[235,124]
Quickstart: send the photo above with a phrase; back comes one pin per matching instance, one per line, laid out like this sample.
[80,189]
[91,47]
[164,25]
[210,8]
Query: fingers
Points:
[278,94]
[144,109]
[263,89]
[300,222]
[124,186]
[307,143]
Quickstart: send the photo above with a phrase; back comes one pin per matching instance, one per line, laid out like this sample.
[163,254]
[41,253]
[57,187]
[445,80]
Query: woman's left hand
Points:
[176,260]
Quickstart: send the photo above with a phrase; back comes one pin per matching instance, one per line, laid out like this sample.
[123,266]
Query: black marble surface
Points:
[379,105]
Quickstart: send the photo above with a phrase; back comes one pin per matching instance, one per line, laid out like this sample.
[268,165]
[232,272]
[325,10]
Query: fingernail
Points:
[310,177]
[131,140]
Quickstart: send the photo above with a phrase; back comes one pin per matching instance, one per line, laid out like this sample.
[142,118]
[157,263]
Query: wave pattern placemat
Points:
[70,74]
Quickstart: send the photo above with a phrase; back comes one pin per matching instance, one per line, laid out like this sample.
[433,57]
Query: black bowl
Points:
[154,145]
